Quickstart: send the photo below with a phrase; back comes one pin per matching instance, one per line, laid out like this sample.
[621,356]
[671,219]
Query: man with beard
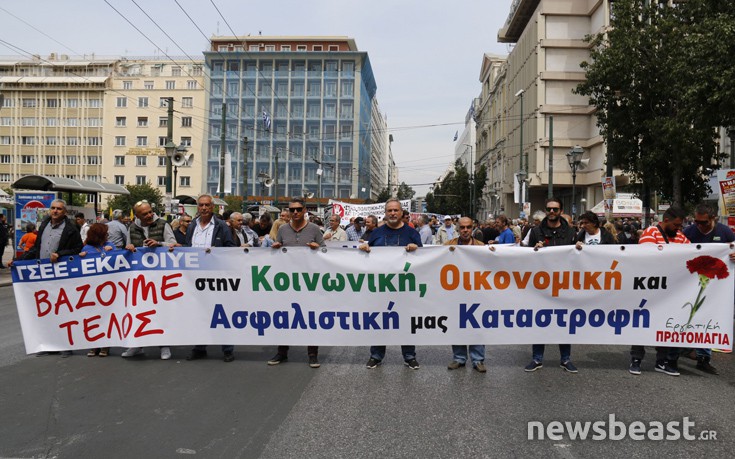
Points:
[298,232]
[666,232]
[552,231]
[393,233]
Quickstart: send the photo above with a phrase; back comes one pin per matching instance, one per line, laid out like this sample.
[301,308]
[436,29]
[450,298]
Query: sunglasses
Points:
[553,209]
[295,209]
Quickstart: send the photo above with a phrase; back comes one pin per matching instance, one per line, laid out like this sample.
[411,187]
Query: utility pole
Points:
[222,136]
[244,174]
[550,194]
[170,141]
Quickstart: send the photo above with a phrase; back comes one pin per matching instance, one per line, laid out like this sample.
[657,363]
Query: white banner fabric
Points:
[671,295]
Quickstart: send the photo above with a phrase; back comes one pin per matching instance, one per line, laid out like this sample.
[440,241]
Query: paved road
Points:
[82,407]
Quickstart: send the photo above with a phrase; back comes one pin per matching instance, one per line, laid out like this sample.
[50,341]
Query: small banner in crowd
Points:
[345,210]
[672,295]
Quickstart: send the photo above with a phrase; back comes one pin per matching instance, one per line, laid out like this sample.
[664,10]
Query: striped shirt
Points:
[652,235]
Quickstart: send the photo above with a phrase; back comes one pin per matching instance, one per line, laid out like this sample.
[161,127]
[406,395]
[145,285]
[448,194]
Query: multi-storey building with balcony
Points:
[51,120]
[317,94]
[136,122]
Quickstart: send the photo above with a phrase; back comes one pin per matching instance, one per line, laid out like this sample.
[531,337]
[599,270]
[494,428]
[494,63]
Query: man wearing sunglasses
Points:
[553,231]
[298,232]
[706,229]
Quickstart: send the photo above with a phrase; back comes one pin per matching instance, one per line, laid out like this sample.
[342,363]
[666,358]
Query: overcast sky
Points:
[426,54]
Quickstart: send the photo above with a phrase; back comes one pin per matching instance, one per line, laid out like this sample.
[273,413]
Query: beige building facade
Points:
[540,72]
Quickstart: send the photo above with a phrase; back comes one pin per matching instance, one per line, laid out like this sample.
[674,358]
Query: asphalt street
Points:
[82,407]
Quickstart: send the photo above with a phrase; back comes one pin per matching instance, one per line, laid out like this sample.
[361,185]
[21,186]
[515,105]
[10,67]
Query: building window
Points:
[141,161]
[239,48]
[72,141]
[184,181]
[52,103]
[27,159]
[93,160]
[119,160]
[170,84]
[120,141]
[162,161]
[147,85]
[72,103]
[176,71]
[163,102]
[5,159]
[141,141]
[197,71]
[140,180]
[317,48]
[52,122]
[120,121]
[29,103]
[8,102]
[119,180]
[270,48]
[253,48]
[121,102]
[186,141]
[5,140]
[162,141]
[222,48]
[28,121]
[94,122]
[94,103]
[142,102]
[50,159]
[127,85]
[94,141]
[71,122]
[186,121]
[6,121]
[162,121]
[161,180]
[187,102]
[192,84]
[300,47]
[333,48]
[142,121]
[285,48]
[71,159]
[5,178]
[28,140]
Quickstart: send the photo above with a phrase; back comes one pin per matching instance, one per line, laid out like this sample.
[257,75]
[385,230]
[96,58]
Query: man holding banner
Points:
[393,233]
[298,232]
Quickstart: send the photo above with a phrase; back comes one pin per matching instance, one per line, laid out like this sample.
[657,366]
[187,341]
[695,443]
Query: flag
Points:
[266,121]
[455,135]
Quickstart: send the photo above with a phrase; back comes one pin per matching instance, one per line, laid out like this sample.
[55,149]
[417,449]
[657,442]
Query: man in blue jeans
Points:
[393,233]
[553,230]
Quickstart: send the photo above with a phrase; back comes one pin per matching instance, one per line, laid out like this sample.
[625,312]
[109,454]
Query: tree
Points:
[652,96]
[452,196]
[234,203]
[405,191]
[144,192]
[383,196]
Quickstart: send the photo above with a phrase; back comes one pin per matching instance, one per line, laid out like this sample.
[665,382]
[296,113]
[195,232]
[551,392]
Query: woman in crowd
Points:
[591,233]
[96,244]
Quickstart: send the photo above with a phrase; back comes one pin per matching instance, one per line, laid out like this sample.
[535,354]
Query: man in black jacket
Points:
[3,238]
[58,236]
[553,230]
[207,231]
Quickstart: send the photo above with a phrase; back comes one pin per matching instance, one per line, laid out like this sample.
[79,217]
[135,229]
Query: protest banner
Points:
[345,210]
[671,295]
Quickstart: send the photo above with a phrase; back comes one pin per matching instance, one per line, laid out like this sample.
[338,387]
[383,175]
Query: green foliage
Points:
[383,196]
[234,203]
[452,196]
[661,86]
[137,193]
[405,191]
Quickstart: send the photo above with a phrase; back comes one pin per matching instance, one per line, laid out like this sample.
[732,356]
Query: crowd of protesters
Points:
[58,235]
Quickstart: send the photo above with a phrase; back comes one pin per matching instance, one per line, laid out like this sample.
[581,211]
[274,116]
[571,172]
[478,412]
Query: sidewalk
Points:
[5,278]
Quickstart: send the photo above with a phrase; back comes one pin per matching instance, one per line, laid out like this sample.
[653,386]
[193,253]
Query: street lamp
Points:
[472,181]
[521,174]
[574,157]
[520,151]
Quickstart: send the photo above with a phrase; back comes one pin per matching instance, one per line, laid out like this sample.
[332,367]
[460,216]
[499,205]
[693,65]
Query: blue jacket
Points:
[221,236]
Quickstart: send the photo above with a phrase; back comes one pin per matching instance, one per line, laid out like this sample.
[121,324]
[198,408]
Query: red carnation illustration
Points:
[707,268]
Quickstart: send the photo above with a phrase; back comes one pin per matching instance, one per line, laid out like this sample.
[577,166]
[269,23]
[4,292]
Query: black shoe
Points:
[568,366]
[635,367]
[197,354]
[412,364]
[533,366]
[229,357]
[665,367]
[372,363]
[704,365]
[278,358]
[314,361]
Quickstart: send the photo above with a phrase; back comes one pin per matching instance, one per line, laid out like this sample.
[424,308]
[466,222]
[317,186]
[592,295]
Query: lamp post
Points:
[521,171]
[472,181]
[521,174]
[574,157]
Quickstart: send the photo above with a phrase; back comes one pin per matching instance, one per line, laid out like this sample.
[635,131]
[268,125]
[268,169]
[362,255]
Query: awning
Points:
[46,183]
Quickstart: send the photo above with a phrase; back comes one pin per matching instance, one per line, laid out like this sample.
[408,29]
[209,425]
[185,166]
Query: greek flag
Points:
[266,121]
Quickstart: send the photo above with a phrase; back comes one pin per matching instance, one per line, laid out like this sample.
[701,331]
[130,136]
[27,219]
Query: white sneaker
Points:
[165,353]
[133,351]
